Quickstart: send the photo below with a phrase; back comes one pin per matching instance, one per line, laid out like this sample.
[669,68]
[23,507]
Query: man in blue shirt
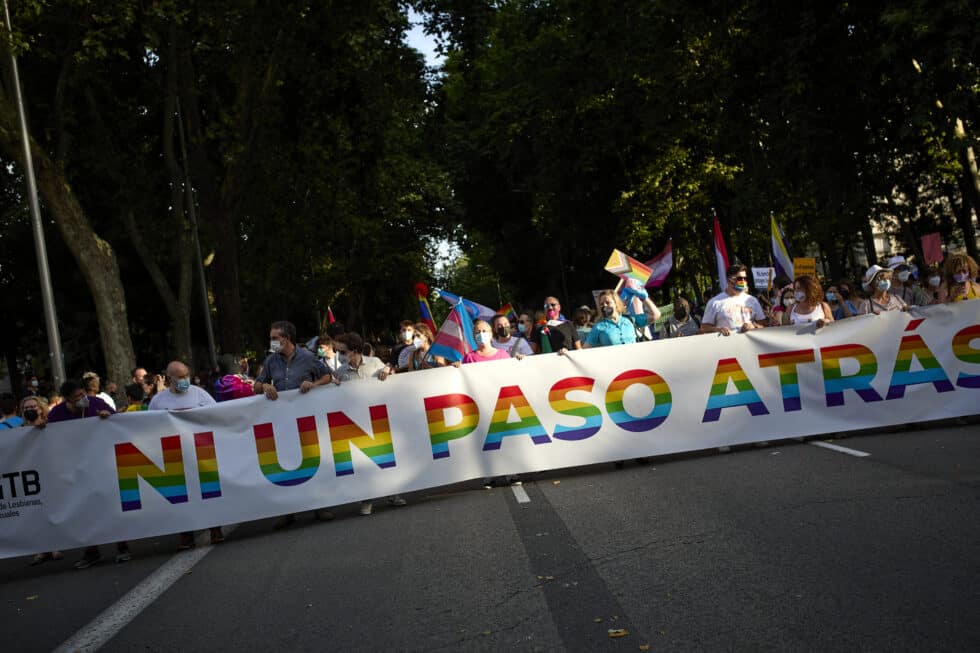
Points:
[288,367]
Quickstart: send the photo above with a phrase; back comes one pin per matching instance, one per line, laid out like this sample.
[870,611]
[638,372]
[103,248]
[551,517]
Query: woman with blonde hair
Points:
[485,351]
[613,327]
[960,272]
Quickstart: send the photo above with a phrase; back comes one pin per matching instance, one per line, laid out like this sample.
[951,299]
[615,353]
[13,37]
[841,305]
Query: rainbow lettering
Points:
[440,433]
[510,396]
[207,465]
[729,369]
[131,464]
[309,442]
[786,362]
[344,432]
[902,376]
[661,401]
[834,381]
[560,403]
[964,352]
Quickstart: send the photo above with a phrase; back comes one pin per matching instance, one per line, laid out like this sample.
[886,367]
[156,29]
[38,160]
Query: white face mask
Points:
[483,338]
[417,342]
[406,336]
[904,276]
[935,281]
[275,346]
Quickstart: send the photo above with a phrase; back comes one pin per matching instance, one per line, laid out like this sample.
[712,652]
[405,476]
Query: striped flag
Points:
[425,313]
[660,266]
[455,338]
[507,309]
[475,310]
[330,318]
[721,256]
[627,267]
[780,252]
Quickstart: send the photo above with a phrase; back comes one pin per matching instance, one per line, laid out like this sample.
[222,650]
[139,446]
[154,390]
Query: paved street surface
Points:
[793,547]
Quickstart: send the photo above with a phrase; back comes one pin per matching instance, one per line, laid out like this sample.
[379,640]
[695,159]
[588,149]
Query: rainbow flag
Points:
[628,268]
[425,313]
[507,310]
[455,337]
[780,252]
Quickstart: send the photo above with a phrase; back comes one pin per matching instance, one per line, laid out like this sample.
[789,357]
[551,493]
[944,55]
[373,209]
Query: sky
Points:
[417,39]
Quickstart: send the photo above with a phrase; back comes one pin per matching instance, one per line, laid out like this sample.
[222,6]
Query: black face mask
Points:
[31,415]
[502,332]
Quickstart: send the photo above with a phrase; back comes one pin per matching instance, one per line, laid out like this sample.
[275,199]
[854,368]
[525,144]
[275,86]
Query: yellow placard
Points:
[804,265]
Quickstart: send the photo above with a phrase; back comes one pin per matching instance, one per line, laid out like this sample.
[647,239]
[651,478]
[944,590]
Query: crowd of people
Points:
[340,356]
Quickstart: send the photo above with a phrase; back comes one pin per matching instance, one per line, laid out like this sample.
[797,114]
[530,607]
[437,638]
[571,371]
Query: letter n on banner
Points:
[265,447]
[440,431]
[510,396]
[131,464]
[729,370]
[344,432]
[834,381]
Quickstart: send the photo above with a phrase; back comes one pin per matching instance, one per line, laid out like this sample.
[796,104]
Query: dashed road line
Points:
[840,449]
[520,494]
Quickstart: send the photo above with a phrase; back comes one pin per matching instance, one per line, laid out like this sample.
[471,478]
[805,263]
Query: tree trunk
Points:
[964,217]
[95,257]
[868,236]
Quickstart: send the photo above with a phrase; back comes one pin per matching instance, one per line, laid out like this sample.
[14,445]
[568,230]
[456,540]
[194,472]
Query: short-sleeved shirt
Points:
[513,344]
[477,357]
[912,295]
[370,366]
[560,335]
[11,422]
[194,397]
[60,413]
[733,311]
[289,375]
[605,332]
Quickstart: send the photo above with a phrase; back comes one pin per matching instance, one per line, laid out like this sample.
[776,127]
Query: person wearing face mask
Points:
[582,318]
[78,405]
[903,286]
[524,326]
[485,351]
[555,334]
[326,353]
[181,394]
[960,271]
[34,411]
[782,307]
[878,281]
[418,355]
[734,310]
[808,305]
[289,367]
[358,367]
[933,284]
[400,353]
[682,323]
[613,327]
[93,388]
[502,339]
[8,412]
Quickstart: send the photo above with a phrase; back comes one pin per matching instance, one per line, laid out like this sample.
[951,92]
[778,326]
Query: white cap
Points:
[896,261]
[871,273]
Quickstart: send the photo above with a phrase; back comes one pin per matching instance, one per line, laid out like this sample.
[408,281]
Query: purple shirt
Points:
[60,413]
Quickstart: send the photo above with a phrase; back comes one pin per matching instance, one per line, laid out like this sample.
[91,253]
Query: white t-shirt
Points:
[733,311]
[522,346]
[195,397]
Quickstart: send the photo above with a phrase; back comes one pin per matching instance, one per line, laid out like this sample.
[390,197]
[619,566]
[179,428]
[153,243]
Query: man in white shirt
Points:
[733,310]
[513,345]
[181,394]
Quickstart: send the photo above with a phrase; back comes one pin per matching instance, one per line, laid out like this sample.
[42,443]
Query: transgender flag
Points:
[780,253]
[476,310]
[721,257]
[455,338]
[660,266]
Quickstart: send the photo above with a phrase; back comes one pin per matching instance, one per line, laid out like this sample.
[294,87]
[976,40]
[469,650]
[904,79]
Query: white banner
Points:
[143,474]
[762,278]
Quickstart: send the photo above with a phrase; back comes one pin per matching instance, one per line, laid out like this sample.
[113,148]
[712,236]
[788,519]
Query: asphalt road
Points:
[791,547]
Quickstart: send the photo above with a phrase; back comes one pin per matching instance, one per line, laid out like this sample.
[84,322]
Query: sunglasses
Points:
[740,278]
[551,305]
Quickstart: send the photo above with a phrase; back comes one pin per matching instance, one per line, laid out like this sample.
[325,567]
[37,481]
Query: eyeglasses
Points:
[551,305]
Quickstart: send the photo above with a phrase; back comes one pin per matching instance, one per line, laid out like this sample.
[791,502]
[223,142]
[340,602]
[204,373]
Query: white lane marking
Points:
[520,494]
[838,448]
[106,625]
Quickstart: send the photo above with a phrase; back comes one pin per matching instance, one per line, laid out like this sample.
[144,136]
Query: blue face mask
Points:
[884,285]
[182,385]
